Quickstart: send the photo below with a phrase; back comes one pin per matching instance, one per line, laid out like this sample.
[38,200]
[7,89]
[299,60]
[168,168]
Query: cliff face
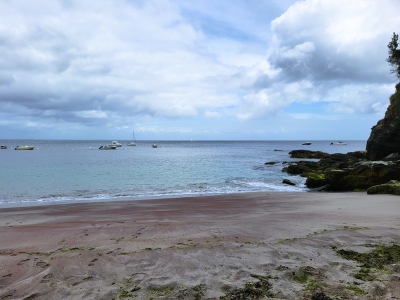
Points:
[385,135]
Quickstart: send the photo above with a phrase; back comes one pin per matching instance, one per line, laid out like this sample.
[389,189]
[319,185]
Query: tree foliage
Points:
[394,55]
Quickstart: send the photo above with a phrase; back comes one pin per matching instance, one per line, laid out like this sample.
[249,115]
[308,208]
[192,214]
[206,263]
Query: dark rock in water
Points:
[270,163]
[340,161]
[385,135]
[301,167]
[289,182]
[308,154]
[278,150]
[392,187]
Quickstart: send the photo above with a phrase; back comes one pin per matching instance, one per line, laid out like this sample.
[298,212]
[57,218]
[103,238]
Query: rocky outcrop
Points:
[392,187]
[346,172]
[308,154]
[362,175]
[371,169]
[301,168]
[330,161]
[385,135]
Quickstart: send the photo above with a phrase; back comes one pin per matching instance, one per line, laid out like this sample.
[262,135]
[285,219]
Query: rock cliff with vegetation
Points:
[376,170]
[385,135]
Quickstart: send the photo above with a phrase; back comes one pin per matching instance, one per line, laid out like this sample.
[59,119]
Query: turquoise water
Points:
[78,171]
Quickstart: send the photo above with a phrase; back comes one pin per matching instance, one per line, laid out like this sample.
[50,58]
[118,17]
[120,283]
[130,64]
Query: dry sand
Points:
[199,247]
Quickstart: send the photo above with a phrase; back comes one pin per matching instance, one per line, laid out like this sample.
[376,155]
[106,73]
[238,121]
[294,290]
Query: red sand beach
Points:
[199,247]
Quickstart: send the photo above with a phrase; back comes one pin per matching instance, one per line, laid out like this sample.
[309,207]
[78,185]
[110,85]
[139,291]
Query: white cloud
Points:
[326,51]
[91,114]
[113,62]
[212,114]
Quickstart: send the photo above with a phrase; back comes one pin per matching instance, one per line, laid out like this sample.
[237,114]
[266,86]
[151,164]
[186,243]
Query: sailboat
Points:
[133,143]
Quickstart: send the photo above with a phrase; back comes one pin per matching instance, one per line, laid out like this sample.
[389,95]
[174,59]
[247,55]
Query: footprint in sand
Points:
[92,262]
[47,277]
[22,261]
[42,264]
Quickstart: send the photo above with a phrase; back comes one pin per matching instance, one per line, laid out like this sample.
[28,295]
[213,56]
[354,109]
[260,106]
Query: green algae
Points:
[377,258]
[355,289]
[364,274]
[315,286]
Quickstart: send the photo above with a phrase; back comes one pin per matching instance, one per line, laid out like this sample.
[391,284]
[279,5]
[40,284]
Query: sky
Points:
[201,70]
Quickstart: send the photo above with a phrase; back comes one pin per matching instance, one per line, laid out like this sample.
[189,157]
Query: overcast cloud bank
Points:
[312,69]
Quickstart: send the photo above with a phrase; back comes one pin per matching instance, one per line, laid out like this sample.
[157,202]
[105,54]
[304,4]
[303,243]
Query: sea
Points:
[76,171]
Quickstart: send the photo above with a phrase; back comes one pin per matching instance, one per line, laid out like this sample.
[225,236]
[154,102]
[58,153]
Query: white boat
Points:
[3,147]
[133,143]
[116,144]
[339,144]
[24,148]
[154,146]
[307,143]
[108,147]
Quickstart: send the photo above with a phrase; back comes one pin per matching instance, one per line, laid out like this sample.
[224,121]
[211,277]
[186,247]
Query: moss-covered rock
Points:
[315,180]
[362,176]
[301,167]
[392,187]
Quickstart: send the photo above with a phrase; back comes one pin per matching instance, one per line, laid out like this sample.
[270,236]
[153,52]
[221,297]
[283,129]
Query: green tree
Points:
[394,55]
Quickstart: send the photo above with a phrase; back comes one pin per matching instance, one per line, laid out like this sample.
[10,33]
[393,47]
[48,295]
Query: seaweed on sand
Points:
[251,290]
[377,258]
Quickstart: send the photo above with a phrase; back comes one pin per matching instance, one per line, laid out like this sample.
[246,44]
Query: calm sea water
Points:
[77,171]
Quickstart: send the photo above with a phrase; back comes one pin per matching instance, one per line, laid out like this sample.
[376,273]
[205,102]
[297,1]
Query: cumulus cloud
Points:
[336,47]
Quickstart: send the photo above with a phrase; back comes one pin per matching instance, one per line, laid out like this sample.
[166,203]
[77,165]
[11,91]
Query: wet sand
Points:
[199,247]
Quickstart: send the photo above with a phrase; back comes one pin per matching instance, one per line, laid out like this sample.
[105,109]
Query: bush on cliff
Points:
[394,55]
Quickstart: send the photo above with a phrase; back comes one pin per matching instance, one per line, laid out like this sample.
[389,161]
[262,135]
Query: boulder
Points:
[392,187]
[287,181]
[385,135]
[308,154]
[315,180]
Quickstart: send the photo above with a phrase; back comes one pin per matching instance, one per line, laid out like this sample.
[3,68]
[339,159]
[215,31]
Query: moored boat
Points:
[3,147]
[307,143]
[116,144]
[133,143]
[108,147]
[339,143]
[24,148]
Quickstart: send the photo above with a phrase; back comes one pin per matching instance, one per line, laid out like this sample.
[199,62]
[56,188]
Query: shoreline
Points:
[133,199]
[197,247]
